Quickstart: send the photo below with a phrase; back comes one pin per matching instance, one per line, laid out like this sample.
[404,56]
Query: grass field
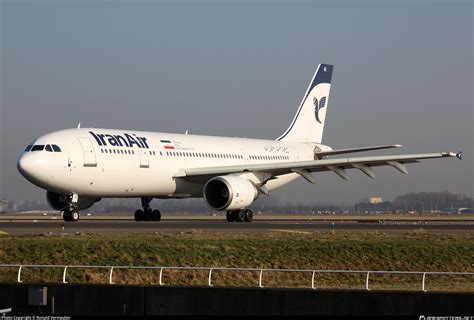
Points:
[342,251]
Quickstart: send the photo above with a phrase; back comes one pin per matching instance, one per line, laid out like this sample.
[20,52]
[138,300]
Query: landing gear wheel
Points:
[240,216]
[230,216]
[71,216]
[148,215]
[156,215]
[74,216]
[139,215]
[248,215]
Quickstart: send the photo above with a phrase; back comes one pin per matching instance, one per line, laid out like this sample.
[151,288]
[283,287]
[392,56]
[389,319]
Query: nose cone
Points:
[26,166]
[33,168]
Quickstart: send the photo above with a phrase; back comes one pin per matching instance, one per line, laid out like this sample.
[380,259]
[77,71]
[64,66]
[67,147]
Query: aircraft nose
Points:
[26,166]
[41,168]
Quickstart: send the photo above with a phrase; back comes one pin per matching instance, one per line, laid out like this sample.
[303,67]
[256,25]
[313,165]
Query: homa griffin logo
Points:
[116,140]
[318,106]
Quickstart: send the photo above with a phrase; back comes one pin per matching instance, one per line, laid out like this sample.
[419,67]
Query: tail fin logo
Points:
[318,106]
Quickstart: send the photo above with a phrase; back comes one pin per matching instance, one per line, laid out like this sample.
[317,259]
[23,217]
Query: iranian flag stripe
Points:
[169,147]
[165,141]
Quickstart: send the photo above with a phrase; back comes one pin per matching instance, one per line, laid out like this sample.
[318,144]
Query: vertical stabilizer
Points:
[308,124]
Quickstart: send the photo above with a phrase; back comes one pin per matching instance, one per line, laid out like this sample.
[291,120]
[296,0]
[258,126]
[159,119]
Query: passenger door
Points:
[88,152]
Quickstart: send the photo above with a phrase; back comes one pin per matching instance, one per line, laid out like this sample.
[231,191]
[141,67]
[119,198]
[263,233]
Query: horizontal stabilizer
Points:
[353,150]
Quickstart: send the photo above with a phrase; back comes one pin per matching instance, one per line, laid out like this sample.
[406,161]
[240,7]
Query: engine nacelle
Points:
[229,193]
[58,201]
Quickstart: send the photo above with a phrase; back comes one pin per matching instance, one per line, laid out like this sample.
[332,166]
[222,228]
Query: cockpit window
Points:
[56,148]
[28,148]
[38,147]
[48,148]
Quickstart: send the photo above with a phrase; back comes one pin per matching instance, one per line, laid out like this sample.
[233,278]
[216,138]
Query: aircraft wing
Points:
[304,168]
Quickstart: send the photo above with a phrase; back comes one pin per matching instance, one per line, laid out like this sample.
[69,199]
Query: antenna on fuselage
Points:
[79,126]
[186,132]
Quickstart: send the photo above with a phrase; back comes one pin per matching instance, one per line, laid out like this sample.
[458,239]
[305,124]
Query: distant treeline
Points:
[427,201]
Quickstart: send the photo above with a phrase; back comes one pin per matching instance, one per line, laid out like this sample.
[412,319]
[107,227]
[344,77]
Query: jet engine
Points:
[58,201]
[229,193]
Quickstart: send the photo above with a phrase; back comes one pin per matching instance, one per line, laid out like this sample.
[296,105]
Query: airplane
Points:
[78,167]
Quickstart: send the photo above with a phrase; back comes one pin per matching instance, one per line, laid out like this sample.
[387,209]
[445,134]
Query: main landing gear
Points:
[147,214]
[70,213]
[243,215]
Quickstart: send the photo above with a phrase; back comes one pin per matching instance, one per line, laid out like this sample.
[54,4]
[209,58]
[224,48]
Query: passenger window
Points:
[48,148]
[56,148]
[38,147]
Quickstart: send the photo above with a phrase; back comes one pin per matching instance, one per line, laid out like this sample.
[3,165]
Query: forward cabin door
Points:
[88,152]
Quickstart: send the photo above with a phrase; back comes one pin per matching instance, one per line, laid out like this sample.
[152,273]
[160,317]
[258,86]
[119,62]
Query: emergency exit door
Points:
[144,157]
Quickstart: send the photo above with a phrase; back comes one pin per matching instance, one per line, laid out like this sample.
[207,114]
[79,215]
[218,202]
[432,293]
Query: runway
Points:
[169,225]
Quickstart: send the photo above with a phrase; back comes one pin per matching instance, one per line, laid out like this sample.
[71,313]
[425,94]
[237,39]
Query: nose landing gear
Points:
[147,214]
[70,213]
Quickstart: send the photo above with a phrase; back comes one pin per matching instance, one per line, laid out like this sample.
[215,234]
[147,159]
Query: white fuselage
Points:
[78,167]
[106,163]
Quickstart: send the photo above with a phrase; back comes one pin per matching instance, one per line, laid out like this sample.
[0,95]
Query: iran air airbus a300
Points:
[78,167]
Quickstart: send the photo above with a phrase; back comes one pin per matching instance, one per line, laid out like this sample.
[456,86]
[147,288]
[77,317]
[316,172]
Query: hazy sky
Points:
[403,74]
